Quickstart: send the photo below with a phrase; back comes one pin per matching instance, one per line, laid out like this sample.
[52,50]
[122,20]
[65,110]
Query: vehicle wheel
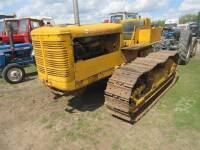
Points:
[13,73]
[194,50]
[187,59]
[194,47]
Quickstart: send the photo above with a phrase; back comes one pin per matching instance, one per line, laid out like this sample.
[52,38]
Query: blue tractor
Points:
[13,59]
[170,38]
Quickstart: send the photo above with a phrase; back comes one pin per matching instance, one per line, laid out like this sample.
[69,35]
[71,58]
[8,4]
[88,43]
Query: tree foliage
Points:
[188,18]
[160,23]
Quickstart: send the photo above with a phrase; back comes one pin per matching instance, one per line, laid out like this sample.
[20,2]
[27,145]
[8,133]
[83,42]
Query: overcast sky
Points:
[96,10]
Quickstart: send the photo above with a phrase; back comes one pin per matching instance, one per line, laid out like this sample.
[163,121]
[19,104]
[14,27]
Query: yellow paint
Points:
[160,75]
[87,68]
[145,21]
[54,53]
[142,34]
[55,56]
[79,31]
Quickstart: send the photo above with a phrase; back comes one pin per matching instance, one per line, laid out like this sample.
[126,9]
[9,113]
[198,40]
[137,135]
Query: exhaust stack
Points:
[76,12]
[10,35]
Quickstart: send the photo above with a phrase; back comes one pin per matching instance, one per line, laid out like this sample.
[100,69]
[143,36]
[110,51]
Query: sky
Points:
[92,11]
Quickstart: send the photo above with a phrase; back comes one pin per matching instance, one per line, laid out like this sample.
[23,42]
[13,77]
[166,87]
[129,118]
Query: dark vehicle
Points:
[170,38]
[194,28]
[168,33]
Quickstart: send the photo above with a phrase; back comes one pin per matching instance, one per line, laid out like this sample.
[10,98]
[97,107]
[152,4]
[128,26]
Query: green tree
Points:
[160,23]
[188,18]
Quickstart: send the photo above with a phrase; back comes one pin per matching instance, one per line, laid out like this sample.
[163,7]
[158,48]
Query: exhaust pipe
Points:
[10,35]
[76,12]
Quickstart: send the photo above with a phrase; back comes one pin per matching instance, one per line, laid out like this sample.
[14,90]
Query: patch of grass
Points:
[1,81]
[30,69]
[73,136]
[44,120]
[83,129]
[183,100]
[116,145]
[50,125]
[97,115]
[47,123]
[50,122]
[58,115]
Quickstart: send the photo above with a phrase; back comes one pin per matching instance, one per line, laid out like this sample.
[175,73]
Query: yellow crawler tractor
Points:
[134,27]
[75,56]
[137,34]
[139,31]
[139,38]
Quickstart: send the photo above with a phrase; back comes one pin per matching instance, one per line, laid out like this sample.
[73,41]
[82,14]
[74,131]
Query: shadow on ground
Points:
[30,76]
[90,100]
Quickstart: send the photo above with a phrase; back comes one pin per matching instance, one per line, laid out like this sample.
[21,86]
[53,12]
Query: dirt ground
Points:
[30,120]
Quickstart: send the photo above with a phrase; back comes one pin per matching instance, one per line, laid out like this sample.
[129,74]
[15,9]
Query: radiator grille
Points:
[52,58]
[39,56]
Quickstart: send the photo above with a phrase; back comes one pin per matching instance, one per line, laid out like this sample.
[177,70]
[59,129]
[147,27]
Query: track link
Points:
[120,86]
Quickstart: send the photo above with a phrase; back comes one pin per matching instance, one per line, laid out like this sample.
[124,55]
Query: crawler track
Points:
[121,85]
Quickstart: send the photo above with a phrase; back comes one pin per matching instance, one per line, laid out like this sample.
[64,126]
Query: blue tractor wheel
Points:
[13,73]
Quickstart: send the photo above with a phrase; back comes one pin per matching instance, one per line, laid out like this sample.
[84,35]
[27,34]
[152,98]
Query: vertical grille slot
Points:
[39,56]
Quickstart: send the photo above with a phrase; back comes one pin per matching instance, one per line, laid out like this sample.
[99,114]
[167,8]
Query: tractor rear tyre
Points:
[13,73]
[194,46]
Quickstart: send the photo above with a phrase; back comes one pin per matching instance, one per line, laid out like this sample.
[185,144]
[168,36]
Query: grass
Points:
[184,98]
[1,81]
[30,69]
[171,122]
[83,129]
